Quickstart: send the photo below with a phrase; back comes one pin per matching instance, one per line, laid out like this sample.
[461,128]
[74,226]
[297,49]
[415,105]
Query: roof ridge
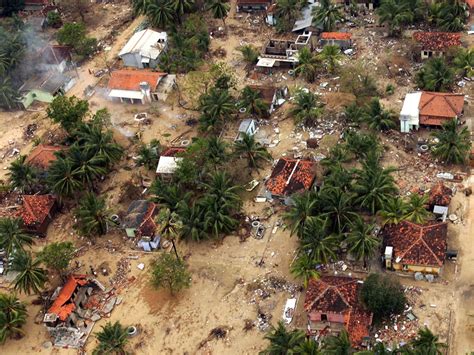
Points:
[450,104]
[420,236]
[431,250]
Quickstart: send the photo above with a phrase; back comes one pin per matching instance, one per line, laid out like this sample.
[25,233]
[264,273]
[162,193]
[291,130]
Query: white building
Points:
[410,114]
[134,86]
[144,49]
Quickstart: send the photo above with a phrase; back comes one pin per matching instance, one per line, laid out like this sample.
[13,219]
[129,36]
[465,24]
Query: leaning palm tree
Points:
[219,9]
[112,339]
[377,118]
[453,144]
[160,13]
[63,179]
[252,101]
[416,211]
[393,211]
[12,317]
[427,343]
[340,345]
[249,148]
[338,207]
[303,207]
[9,96]
[361,242]
[306,109]
[308,64]
[31,277]
[304,268]
[22,176]
[92,215]
[12,236]
[395,14]
[326,15]
[170,226]
[331,55]
[282,341]
[317,241]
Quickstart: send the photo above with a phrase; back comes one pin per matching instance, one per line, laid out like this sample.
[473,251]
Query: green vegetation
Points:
[282,341]
[435,75]
[58,256]
[112,339]
[149,154]
[22,176]
[377,118]
[12,317]
[92,216]
[253,151]
[453,144]
[170,273]
[12,237]
[327,15]
[75,35]
[69,112]
[31,277]
[306,108]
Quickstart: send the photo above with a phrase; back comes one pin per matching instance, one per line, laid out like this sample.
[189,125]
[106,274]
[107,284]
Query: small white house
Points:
[134,86]
[167,165]
[247,126]
[144,49]
[410,114]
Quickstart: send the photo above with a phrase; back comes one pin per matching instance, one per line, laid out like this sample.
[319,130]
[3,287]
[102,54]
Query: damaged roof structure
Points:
[138,221]
[280,52]
[435,44]
[169,159]
[271,95]
[144,48]
[37,212]
[42,156]
[332,304]
[341,39]
[440,195]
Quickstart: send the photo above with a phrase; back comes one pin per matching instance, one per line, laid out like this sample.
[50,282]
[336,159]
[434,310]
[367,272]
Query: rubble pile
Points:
[120,276]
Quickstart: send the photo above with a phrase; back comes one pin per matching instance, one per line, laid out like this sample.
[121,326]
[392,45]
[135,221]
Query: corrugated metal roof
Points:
[147,43]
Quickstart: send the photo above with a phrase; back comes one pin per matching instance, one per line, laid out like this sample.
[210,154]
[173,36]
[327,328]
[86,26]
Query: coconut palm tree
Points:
[170,226]
[252,101]
[87,167]
[306,108]
[427,343]
[331,55]
[140,7]
[92,215]
[191,216]
[220,187]
[22,176]
[377,118]
[337,206]
[249,148]
[281,340]
[308,347]
[12,236]
[340,344]
[217,104]
[393,211]
[95,142]
[160,13]
[9,96]
[31,277]
[218,216]
[181,7]
[304,268]
[303,207]
[416,211]
[149,155]
[336,157]
[464,61]
[435,75]
[396,14]
[112,339]
[452,16]
[219,9]
[326,15]
[249,53]
[12,317]
[168,195]
[362,144]
[340,178]
[216,151]
[308,64]
[361,242]
[63,179]
[317,241]
[353,113]
[453,144]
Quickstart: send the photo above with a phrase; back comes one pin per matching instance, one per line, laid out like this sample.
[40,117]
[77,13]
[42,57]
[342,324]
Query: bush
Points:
[383,295]
[74,35]
[54,19]
[171,273]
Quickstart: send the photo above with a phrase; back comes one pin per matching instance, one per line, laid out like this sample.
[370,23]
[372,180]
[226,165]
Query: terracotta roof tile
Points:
[336,35]
[437,41]
[131,79]
[62,305]
[36,208]
[440,195]
[441,104]
[290,176]
[172,151]
[470,3]
[415,244]
[42,156]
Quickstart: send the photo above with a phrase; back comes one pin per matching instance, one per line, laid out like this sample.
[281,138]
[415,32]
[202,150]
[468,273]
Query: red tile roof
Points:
[131,79]
[42,156]
[63,306]
[470,3]
[440,195]
[441,104]
[290,176]
[415,244]
[333,294]
[36,208]
[437,41]
[172,151]
[336,35]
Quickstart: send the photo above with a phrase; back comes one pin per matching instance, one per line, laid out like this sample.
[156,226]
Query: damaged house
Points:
[168,162]
[341,39]
[413,247]
[332,304]
[139,219]
[37,212]
[435,44]
[144,49]
[252,5]
[272,96]
[42,156]
[55,57]
[74,310]
[290,176]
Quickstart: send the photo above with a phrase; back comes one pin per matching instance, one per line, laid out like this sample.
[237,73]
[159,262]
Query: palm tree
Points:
[87,167]
[180,7]
[331,55]
[12,237]
[97,143]
[12,317]
[192,219]
[308,64]
[427,343]
[377,118]
[63,179]
[112,339]
[362,144]
[396,14]
[353,113]
[217,216]
[220,187]
[219,9]
[339,178]
[306,108]
[336,157]
[251,100]
[31,277]
[9,96]
[249,53]
[464,61]
[304,206]
[416,211]
[308,347]
[160,13]
[326,15]
[170,226]
[216,151]
[338,207]
[168,195]
[361,242]
[252,150]
[217,104]
[22,175]
[286,11]
[452,16]
[340,345]
[282,341]
[140,6]
[92,215]
[435,75]
[316,241]
[453,144]
[304,268]
[393,211]
[149,155]
[434,12]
